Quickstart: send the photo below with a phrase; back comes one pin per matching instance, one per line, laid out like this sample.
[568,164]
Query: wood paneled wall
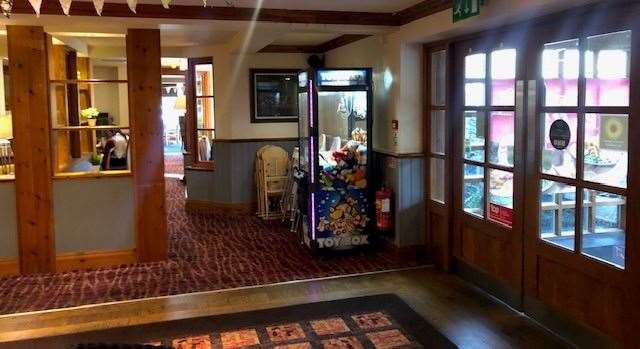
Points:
[29,105]
[144,75]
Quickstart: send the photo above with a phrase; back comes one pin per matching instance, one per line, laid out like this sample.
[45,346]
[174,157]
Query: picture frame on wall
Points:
[274,95]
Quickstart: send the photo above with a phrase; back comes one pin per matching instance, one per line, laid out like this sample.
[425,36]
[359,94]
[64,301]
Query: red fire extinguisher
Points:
[384,220]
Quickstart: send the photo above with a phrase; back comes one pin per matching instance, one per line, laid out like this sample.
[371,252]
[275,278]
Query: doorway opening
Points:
[174,106]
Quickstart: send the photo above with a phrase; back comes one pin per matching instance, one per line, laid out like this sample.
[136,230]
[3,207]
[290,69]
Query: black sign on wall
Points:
[560,134]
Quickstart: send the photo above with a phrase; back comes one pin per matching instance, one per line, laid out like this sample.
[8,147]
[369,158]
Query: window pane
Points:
[205,112]
[474,135]
[438,78]
[558,213]
[474,73]
[503,77]
[437,180]
[606,149]
[559,160]
[501,197]
[7,160]
[204,79]
[607,67]
[560,71]
[603,227]
[473,192]
[205,145]
[438,131]
[501,137]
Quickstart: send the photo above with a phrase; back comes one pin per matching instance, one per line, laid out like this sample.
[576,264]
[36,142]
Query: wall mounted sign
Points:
[274,95]
[501,214]
[614,132]
[463,9]
[560,134]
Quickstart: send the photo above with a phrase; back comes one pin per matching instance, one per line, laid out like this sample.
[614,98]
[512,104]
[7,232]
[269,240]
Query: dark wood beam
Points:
[421,10]
[173,71]
[86,8]
[322,48]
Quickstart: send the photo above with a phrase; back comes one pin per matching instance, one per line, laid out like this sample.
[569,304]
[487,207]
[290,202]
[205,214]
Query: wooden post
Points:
[29,105]
[144,75]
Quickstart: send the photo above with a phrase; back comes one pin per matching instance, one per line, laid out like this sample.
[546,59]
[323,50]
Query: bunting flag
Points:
[204,3]
[36,4]
[66,6]
[99,4]
[6,6]
[132,5]
[166,3]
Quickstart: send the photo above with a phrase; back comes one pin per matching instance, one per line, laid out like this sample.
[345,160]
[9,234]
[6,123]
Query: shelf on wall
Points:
[96,175]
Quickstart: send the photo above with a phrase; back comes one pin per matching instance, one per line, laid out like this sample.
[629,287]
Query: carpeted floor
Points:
[173,164]
[373,322]
[207,252]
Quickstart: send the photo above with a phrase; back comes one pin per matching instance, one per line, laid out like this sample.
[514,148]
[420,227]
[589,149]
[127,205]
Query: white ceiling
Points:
[305,38]
[325,5]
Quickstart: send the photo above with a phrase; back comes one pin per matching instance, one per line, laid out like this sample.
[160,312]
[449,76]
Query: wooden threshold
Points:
[95,259]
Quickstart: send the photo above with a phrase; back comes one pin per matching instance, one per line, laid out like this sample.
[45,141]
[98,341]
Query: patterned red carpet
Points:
[173,164]
[207,252]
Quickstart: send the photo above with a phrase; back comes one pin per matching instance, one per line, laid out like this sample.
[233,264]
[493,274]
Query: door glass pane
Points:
[205,112]
[205,145]
[607,67]
[501,197]
[560,71]
[474,135]
[501,137]
[438,78]
[558,213]
[437,131]
[475,67]
[559,144]
[606,149]
[603,227]
[437,180]
[503,77]
[204,79]
[473,192]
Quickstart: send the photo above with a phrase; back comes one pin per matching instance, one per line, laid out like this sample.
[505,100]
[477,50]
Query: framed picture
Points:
[274,95]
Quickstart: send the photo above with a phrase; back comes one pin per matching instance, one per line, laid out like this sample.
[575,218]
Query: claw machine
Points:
[335,187]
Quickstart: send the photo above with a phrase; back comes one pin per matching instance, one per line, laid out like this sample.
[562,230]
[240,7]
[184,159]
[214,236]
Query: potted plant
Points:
[90,114]
[95,161]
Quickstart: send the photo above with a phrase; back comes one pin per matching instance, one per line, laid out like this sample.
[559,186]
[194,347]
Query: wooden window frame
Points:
[191,115]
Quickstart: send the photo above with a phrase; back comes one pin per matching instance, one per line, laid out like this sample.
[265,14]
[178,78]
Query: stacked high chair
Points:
[271,175]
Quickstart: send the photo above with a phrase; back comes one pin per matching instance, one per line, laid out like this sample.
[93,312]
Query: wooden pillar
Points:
[29,106]
[144,75]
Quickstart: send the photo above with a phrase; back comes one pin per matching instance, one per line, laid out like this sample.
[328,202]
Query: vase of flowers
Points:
[90,114]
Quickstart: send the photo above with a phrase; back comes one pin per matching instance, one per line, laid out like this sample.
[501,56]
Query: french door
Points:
[545,122]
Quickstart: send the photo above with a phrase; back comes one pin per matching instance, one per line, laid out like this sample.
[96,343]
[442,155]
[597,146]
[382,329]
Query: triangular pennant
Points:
[204,3]
[6,6]
[66,6]
[99,4]
[36,6]
[166,3]
[132,5]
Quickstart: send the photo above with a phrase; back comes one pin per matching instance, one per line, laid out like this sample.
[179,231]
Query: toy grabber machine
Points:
[335,188]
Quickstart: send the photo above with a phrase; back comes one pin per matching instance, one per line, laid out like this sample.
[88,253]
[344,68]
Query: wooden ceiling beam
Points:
[322,48]
[225,13]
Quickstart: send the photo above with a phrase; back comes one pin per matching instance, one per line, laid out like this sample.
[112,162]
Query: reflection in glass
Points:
[559,162]
[438,131]
[603,227]
[474,74]
[607,69]
[205,145]
[606,149]
[437,180]
[339,114]
[205,112]
[473,191]
[204,79]
[558,213]
[560,71]
[303,125]
[474,139]
[501,138]
[501,196]
[503,77]
[438,78]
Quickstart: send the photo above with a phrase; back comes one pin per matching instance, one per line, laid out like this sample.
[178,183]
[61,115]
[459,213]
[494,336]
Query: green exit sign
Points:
[463,9]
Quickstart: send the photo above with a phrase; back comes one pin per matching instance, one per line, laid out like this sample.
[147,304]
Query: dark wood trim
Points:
[173,71]
[243,209]
[191,119]
[9,267]
[399,155]
[255,140]
[332,44]
[143,71]
[421,10]
[252,94]
[30,106]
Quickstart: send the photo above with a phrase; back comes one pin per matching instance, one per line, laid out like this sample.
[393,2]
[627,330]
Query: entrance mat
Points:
[372,322]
